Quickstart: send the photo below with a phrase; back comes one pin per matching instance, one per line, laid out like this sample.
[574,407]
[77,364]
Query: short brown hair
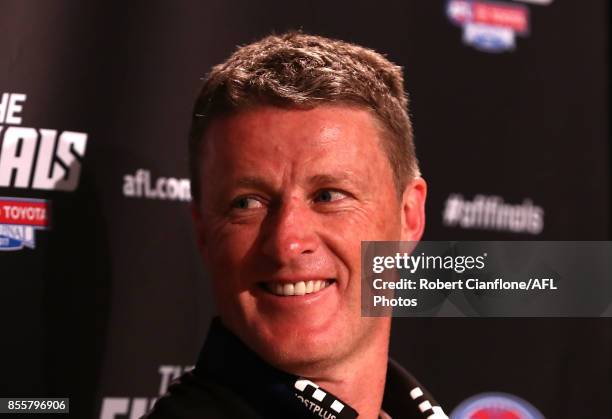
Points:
[296,70]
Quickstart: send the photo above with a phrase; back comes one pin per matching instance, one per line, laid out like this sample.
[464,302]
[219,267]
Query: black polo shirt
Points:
[231,381]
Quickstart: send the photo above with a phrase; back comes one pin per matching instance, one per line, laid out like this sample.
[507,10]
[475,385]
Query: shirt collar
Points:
[273,393]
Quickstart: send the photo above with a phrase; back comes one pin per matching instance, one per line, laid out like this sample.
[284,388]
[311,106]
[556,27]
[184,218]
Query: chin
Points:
[300,356]
[297,351]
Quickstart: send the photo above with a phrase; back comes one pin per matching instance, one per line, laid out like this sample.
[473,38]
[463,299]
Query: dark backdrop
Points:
[112,301]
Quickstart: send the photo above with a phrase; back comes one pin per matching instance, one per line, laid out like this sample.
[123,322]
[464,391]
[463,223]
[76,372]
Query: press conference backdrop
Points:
[104,299]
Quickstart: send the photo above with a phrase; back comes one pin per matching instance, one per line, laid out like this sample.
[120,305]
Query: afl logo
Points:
[495,406]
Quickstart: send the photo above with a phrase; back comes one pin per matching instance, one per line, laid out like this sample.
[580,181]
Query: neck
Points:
[359,378]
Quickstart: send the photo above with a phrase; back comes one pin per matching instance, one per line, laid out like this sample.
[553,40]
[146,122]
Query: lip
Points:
[294,279]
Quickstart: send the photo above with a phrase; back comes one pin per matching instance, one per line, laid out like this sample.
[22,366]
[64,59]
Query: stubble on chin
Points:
[315,359]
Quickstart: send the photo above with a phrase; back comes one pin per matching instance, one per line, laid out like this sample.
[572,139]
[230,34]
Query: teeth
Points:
[309,287]
[288,289]
[298,288]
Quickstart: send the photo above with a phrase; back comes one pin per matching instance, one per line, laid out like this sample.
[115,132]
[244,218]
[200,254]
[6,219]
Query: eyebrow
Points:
[335,178]
[254,182]
[260,183]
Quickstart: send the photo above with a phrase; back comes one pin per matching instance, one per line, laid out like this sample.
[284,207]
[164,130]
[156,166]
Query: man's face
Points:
[287,198]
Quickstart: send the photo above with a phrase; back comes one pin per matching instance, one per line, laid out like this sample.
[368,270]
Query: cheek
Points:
[344,235]
[229,267]
[228,250]
[387,222]
[369,224]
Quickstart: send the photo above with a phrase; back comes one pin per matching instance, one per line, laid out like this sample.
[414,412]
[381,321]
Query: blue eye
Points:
[328,195]
[246,202]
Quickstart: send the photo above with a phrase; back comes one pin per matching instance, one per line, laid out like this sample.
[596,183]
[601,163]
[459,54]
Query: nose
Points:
[290,233]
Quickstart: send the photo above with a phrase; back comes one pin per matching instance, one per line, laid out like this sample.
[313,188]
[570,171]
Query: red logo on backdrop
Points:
[493,413]
[508,16]
[495,406]
[489,26]
[19,220]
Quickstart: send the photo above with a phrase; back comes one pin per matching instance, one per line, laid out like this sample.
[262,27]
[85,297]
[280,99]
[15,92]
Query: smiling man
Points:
[301,148]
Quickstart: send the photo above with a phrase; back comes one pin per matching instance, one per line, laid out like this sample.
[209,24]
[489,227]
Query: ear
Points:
[413,210]
[196,216]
